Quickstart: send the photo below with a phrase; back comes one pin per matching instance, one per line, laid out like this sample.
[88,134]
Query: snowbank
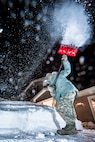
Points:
[29,122]
[27,116]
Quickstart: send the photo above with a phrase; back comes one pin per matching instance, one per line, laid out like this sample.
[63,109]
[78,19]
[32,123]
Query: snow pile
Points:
[29,122]
[27,117]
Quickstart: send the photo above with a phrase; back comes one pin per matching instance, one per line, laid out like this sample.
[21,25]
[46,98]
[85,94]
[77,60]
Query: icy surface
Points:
[26,117]
[28,122]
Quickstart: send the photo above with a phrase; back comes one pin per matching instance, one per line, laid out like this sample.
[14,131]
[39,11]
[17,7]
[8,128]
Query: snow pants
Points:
[66,108]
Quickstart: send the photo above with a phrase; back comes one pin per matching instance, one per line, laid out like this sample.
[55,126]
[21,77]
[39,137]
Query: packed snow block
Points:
[27,116]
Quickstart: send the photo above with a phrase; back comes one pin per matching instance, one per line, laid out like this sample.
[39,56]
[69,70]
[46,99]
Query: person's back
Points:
[62,85]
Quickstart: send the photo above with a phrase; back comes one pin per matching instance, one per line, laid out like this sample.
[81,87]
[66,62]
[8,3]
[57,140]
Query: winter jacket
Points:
[62,85]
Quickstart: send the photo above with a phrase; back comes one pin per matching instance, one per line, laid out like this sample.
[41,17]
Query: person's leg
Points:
[66,109]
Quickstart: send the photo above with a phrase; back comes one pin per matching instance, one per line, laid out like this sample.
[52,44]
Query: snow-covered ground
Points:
[29,122]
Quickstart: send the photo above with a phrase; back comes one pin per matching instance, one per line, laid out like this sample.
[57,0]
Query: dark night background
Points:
[28,51]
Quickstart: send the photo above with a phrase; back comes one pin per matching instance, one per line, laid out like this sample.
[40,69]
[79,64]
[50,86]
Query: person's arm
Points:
[67,66]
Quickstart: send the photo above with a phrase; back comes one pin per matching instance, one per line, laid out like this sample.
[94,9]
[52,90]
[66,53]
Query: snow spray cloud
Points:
[72,22]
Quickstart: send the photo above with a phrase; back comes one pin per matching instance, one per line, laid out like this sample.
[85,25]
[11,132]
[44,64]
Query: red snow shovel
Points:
[68,50]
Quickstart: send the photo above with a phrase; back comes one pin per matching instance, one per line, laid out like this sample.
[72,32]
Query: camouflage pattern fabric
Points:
[65,108]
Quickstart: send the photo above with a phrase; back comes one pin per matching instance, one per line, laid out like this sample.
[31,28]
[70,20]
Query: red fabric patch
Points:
[68,50]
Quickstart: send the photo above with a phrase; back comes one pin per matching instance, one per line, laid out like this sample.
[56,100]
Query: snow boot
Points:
[68,130]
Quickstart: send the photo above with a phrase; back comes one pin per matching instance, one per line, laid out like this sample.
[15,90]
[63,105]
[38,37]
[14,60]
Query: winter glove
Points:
[64,57]
[45,83]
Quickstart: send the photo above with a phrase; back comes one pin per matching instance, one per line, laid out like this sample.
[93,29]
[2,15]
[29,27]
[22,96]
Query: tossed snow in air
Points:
[72,22]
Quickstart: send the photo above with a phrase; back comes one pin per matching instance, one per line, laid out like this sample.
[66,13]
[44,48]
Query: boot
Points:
[68,130]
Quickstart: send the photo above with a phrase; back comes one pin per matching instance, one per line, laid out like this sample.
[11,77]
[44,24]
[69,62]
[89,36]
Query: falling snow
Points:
[28,32]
